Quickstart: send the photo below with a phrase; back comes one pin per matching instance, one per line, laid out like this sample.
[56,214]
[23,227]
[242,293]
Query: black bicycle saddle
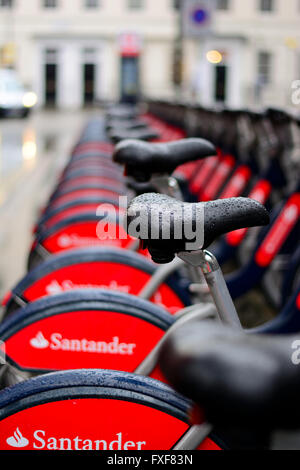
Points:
[138,134]
[134,124]
[239,380]
[167,226]
[122,113]
[143,159]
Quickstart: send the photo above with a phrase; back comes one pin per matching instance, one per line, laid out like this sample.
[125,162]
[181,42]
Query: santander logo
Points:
[17,440]
[55,287]
[41,441]
[39,341]
[68,241]
[59,343]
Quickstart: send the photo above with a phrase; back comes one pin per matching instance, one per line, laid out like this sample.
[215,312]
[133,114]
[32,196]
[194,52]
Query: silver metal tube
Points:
[161,184]
[200,307]
[174,189]
[219,290]
[150,362]
[165,184]
[222,298]
[133,245]
[194,437]
[42,251]
[160,275]
[216,283]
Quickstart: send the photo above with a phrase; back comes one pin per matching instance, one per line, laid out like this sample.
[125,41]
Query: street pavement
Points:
[33,152]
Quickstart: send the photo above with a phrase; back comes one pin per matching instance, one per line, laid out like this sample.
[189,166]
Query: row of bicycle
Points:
[93,302]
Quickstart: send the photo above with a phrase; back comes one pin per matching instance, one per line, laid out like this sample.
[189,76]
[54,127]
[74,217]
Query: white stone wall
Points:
[267,31]
[240,33]
[71,28]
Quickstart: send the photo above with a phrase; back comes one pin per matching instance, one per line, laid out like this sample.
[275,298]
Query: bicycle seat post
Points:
[165,184]
[216,282]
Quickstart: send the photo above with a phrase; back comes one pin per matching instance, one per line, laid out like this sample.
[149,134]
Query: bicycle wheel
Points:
[114,269]
[81,230]
[89,328]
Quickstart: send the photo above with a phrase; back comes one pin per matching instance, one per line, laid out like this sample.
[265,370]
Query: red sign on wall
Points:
[130,44]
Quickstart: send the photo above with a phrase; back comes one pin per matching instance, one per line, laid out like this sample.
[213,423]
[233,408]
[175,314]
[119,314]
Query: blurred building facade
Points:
[259,43]
[72,52]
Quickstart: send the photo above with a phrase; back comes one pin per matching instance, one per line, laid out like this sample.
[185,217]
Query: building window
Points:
[176,4]
[50,3]
[89,55]
[51,56]
[135,4]
[264,67]
[91,3]
[266,5]
[6,3]
[223,5]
